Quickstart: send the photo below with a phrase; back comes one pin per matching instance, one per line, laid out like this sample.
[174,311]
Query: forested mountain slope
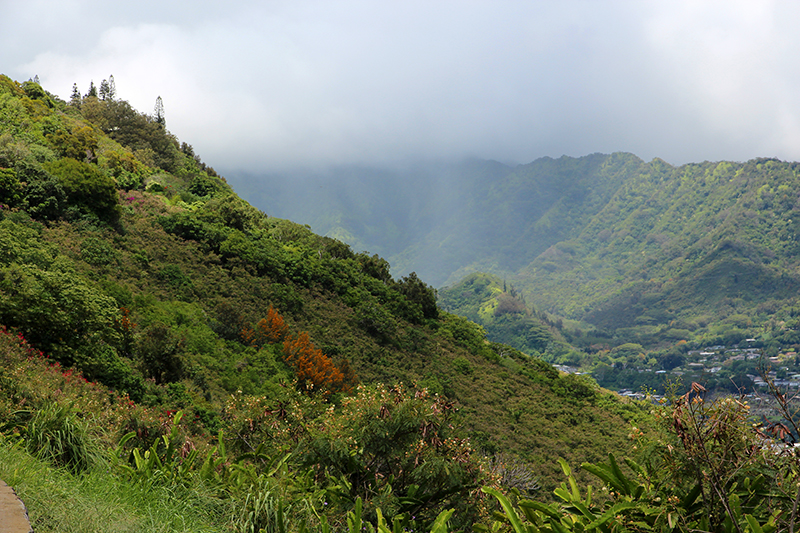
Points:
[689,247]
[647,250]
[126,258]
[441,220]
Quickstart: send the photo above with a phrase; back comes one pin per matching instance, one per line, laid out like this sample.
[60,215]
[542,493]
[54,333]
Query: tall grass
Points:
[55,433]
[98,501]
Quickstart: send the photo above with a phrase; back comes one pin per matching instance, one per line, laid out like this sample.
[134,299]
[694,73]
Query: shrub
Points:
[417,293]
[397,450]
[376,321]
[44,197]
[97,252]
[160,353]
[88,189]
[314,370]
[10,188]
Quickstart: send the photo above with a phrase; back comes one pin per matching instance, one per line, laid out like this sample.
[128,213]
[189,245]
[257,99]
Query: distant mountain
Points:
[658,252]
[442,220]
[680,249]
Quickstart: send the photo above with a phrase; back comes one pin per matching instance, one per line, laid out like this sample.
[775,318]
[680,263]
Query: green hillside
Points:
[504,314]
[444,220]
[684,248]
[639,252]
[156,320]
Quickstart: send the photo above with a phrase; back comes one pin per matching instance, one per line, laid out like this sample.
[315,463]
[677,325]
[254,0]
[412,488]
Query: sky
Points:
[266,86]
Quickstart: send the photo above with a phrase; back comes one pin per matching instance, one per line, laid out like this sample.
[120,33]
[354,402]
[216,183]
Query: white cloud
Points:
[259,85]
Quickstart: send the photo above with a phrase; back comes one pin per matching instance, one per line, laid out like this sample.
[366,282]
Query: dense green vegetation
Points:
[226,370]
[502,311]
[624,250]
[173,359]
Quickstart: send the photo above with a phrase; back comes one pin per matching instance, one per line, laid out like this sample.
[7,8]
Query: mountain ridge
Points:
[588,238]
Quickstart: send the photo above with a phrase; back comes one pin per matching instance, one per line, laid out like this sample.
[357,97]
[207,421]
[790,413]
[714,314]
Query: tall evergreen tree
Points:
[104,90]
[159,111]
[75,99]
[92,90]
[108,89]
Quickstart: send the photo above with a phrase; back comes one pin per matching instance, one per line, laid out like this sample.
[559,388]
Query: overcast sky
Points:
[267,85]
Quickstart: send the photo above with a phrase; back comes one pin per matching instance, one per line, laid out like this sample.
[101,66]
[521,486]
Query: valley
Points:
[173,357]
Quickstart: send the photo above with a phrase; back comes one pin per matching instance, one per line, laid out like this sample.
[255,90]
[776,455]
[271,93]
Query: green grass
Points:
[96,501]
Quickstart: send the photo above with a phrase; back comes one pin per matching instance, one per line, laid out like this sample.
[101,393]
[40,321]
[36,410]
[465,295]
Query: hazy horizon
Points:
[271,86]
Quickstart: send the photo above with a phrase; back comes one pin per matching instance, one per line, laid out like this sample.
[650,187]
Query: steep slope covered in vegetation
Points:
[504,314]
[641,251]
[680,248]
[443,220]
[127,259]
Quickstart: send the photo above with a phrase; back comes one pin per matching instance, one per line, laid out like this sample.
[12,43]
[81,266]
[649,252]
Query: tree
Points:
[88,189]
[55,309]
[314,370]
[418,292]
[137,131]
[160,353]
[268,330]
[10,188]
[75,99]
[159,111]
[104,90]
[107,89]
[80,144]
[92,90]
[44,197]
[274,327]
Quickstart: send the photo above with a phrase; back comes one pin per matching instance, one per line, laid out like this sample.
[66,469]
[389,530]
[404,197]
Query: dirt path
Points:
[13,516]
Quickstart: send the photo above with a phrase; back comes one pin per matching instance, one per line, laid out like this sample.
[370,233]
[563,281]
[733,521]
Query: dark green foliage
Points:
[502,312]
[137,131]
[418,293]
[44,196]
[88,189]
[10,188]
[99,361]
[227,321]
[173,276]
[190,226]
[97,252]
[56,309]
[376,321]
[159,350]
[202,185]
[375,266]
[34,91]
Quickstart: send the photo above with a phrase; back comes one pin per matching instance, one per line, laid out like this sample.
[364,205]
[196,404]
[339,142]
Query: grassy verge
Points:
[59,501]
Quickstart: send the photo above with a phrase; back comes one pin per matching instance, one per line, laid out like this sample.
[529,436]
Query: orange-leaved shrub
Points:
[315,371]
[268,330]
